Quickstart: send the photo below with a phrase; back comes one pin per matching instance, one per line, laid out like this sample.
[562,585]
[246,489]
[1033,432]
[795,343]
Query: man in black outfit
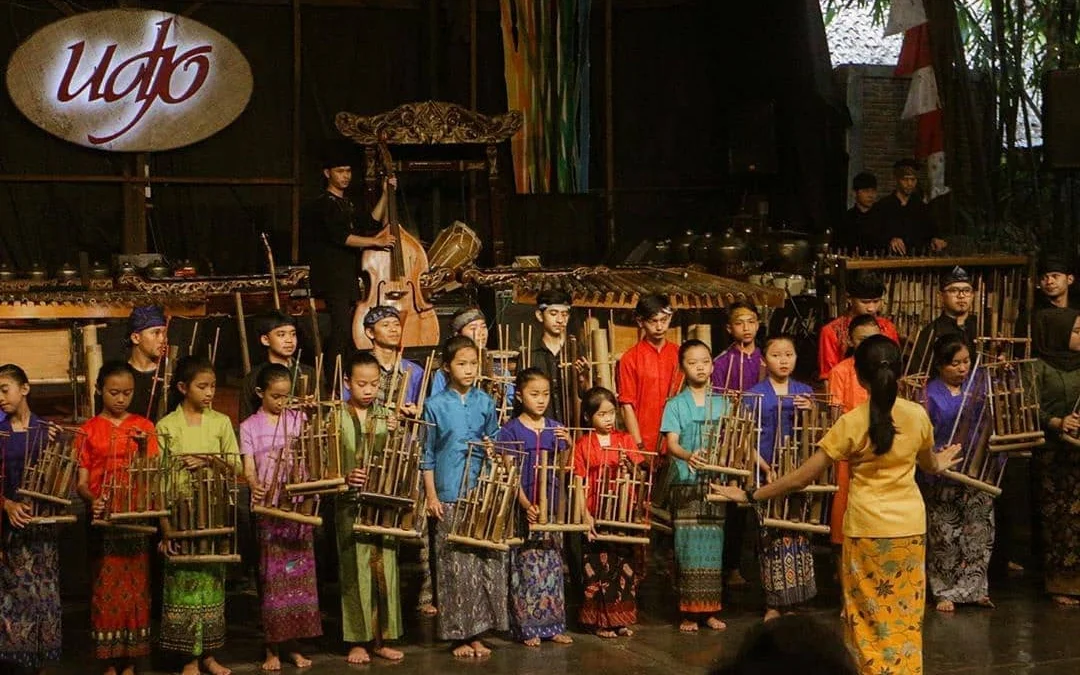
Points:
[956,319]
[857,230]
[903,218]
[336,235]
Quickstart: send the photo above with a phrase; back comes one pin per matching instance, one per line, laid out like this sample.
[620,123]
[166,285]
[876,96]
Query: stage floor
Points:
[1027,633]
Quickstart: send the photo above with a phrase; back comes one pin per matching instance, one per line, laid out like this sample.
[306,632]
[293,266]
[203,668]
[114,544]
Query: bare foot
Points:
[945,606]
[480,648]
[464,651]
[624,632]
[736,579]
[986,602]
[111,670]
[128,670]
[428,609]
[272,662]
[214,667]
[605,633]
[532,642]
[688,626]
[716,624]
[1066,600]
[771,614]
[563,639]
[388,654]
[191,668]
[1015,568]
[358,656]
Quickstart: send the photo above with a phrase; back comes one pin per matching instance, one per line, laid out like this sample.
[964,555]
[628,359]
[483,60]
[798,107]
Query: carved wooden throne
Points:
[445,124]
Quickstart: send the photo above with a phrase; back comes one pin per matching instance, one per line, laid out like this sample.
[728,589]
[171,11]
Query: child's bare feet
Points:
[1066,600]
[480,648]
[388,654]
[214,667]
[464,651]
[358,656]
[299,660]
[428,609]
[128,670]
[563,639]
[111,670]
[986,602]
[736,579]
[605,633]
[624,632]
[191,668]
[272,662]
[532,642]
[688,626]
[715,624]
[771,614]
[945,606]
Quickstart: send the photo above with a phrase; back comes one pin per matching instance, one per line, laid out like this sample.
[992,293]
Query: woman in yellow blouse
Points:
[884,554]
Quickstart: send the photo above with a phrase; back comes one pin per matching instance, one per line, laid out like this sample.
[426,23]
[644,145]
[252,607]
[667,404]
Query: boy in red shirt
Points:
[864,295]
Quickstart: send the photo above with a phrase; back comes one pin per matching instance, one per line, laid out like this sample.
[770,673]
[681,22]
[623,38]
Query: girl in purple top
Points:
[290,599]
[537,602]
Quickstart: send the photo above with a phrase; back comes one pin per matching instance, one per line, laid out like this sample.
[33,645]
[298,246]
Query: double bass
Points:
[394,278]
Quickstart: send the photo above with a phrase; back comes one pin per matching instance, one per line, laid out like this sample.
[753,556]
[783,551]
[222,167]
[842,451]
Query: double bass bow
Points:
[394,277]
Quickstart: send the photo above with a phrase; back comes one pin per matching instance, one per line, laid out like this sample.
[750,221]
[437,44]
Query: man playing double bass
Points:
[335,236]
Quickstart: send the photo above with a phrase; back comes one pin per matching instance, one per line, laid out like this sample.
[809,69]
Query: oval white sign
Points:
[129,80]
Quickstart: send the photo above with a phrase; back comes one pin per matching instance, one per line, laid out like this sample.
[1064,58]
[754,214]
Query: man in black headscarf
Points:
[904,218]
[956,318]
[335,235]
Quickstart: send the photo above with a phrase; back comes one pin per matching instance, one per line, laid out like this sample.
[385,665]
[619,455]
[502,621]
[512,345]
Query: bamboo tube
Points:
[542,483]
[598,340]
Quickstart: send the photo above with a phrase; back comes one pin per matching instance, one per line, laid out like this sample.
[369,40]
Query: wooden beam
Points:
[131,178]
[609,126]
[133,239]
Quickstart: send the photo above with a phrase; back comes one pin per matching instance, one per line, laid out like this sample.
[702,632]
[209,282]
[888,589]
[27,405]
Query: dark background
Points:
[694,84]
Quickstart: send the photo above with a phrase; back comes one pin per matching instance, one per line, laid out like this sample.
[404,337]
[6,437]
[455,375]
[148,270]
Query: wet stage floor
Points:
[1027,633]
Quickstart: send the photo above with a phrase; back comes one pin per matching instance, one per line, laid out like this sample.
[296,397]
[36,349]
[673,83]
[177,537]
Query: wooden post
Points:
[609,127]
[134,233]
[296,38]
[495,194]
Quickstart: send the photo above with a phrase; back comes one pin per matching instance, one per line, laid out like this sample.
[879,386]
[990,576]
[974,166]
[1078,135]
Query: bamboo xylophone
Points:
[202,519]
[136,491]
[50,473]
[484,515]
[808,509]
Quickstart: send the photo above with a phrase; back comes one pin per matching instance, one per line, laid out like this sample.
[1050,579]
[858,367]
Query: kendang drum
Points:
[134,492]
[487,505]
[455,247]
[806,510]
[50,474]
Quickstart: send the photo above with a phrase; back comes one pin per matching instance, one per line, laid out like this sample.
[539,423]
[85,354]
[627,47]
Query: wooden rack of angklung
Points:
[596,346]
[999,415]
[558,493]
[808,509]
[486,509]
[389,503]
[623,494]
[135,492]
[731,440]
[307,464]
[1001,285]
[497,371]
[50,473]
[203,504]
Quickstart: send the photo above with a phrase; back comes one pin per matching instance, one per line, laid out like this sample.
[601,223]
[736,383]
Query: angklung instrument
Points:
[50,473]
[558,493]
[999,415]
[136,491]
[203,509]
[307,462]
[730,440]
[498,368]
[620,510]
[806,510]
[390,503]
[486,509]
[594,346]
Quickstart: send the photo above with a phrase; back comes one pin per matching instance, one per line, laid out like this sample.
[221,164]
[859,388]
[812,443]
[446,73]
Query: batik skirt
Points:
[699,549]
[537,599]
[787,567]
[30,597]
[1060,505]
[193,608]
[960,538]
[884,583]
[611,581]
[470,584]
[120,597]
[290,595]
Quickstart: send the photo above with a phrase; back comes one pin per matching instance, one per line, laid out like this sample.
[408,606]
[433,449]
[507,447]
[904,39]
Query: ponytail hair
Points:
[877,363]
